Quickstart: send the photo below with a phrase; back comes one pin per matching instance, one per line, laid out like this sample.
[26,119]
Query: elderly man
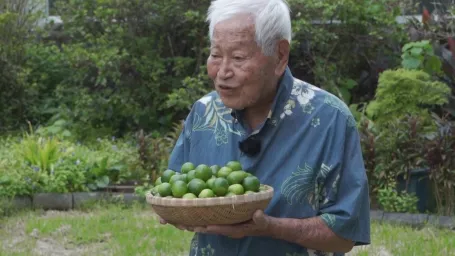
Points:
[291,135]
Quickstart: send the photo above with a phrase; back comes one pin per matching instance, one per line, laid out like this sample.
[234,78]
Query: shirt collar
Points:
[284,89]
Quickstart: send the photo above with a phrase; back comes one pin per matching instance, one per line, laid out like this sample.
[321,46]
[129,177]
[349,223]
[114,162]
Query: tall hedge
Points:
[117,66]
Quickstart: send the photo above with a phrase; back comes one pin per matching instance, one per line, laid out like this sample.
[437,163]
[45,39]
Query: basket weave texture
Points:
[210,211]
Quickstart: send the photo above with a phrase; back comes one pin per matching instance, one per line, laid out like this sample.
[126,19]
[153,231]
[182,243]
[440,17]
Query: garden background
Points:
[96,100]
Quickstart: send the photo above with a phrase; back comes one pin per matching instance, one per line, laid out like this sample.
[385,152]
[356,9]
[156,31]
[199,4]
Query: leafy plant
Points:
[399,147]
[439,150]
[39,152]
[392,201]
[154,150]
[368,140]
[401,92]
[420,56]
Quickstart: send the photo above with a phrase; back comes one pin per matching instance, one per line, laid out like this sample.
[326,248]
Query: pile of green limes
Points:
[205,181]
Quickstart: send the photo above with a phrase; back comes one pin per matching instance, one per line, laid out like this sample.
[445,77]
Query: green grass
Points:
[108,230]
[408,241]
[119,230]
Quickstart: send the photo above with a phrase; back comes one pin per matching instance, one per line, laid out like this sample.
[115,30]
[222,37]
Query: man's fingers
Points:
[260,219]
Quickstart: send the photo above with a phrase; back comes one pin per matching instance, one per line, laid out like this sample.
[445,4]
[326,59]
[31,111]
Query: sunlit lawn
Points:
[117,230]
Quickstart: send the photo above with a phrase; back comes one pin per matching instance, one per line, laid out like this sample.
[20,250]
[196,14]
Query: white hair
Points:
[271,18]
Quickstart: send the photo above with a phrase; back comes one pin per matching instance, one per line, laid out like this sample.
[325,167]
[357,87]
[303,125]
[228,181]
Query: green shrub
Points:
[404,92]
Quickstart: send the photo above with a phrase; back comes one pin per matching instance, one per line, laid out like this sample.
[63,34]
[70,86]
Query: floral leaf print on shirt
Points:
[302,92]
[318,253]
[315,122]
[329,219]
[194,244]
[305,185]
[208,251]
[290,105]
[335,102]
[217,118]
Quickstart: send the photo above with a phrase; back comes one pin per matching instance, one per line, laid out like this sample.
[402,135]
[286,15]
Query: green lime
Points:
[236,189]
[158,181]
[230,194]
[262,188]
[210,182]
[165,189]
[251,183]
[249,192]
[234,165]
[236,177]
[154,191]
[186,167]
[206,193]
[249,174]
[203,172]
[166,177]
[189,196]
[196,185]
[176,177]
[224,172]
[179,188]
[190,175]
[215,168]
[220,186]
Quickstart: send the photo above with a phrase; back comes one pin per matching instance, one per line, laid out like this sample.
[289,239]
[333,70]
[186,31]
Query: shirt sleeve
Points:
[345,208]
[180,154]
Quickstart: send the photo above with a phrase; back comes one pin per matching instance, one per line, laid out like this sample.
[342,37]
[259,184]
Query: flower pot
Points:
[420,185]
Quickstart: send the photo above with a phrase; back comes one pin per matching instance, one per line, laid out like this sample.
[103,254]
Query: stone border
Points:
[416,220]
[70,201]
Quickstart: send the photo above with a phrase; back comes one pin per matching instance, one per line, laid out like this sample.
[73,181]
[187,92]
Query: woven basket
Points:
[210,211]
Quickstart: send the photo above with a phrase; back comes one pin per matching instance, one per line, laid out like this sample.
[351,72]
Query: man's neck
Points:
[256,116]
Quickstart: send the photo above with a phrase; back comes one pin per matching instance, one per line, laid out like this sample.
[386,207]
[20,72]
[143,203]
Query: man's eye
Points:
[239,58]
[215,55]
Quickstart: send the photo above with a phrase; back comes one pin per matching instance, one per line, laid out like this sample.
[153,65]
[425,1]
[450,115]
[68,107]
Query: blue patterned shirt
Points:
[311,156]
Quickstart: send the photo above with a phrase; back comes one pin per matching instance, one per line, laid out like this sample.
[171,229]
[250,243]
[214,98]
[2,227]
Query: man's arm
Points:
[311,233]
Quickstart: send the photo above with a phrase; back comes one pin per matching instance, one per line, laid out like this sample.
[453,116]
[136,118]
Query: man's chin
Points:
[232,104]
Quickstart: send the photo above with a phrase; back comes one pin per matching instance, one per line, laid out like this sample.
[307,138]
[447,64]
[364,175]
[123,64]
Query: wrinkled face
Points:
[242,75]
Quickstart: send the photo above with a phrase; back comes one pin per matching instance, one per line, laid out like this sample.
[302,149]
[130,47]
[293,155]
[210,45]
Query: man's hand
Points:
[255,227]
[311,233]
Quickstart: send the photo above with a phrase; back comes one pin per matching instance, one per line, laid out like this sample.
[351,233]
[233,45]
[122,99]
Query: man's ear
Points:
[283,51]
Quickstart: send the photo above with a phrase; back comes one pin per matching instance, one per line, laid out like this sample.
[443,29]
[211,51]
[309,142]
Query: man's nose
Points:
[225,71]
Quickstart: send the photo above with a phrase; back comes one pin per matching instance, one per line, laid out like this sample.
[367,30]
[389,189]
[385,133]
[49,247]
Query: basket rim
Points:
[213,201]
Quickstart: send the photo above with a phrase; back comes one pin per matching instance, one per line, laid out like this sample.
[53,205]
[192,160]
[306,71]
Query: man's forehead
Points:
[237,25]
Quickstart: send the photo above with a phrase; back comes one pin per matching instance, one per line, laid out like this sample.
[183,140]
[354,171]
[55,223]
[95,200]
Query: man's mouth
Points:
[226,87]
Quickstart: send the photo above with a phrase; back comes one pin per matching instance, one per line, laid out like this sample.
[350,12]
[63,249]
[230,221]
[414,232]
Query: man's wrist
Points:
[273,229]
